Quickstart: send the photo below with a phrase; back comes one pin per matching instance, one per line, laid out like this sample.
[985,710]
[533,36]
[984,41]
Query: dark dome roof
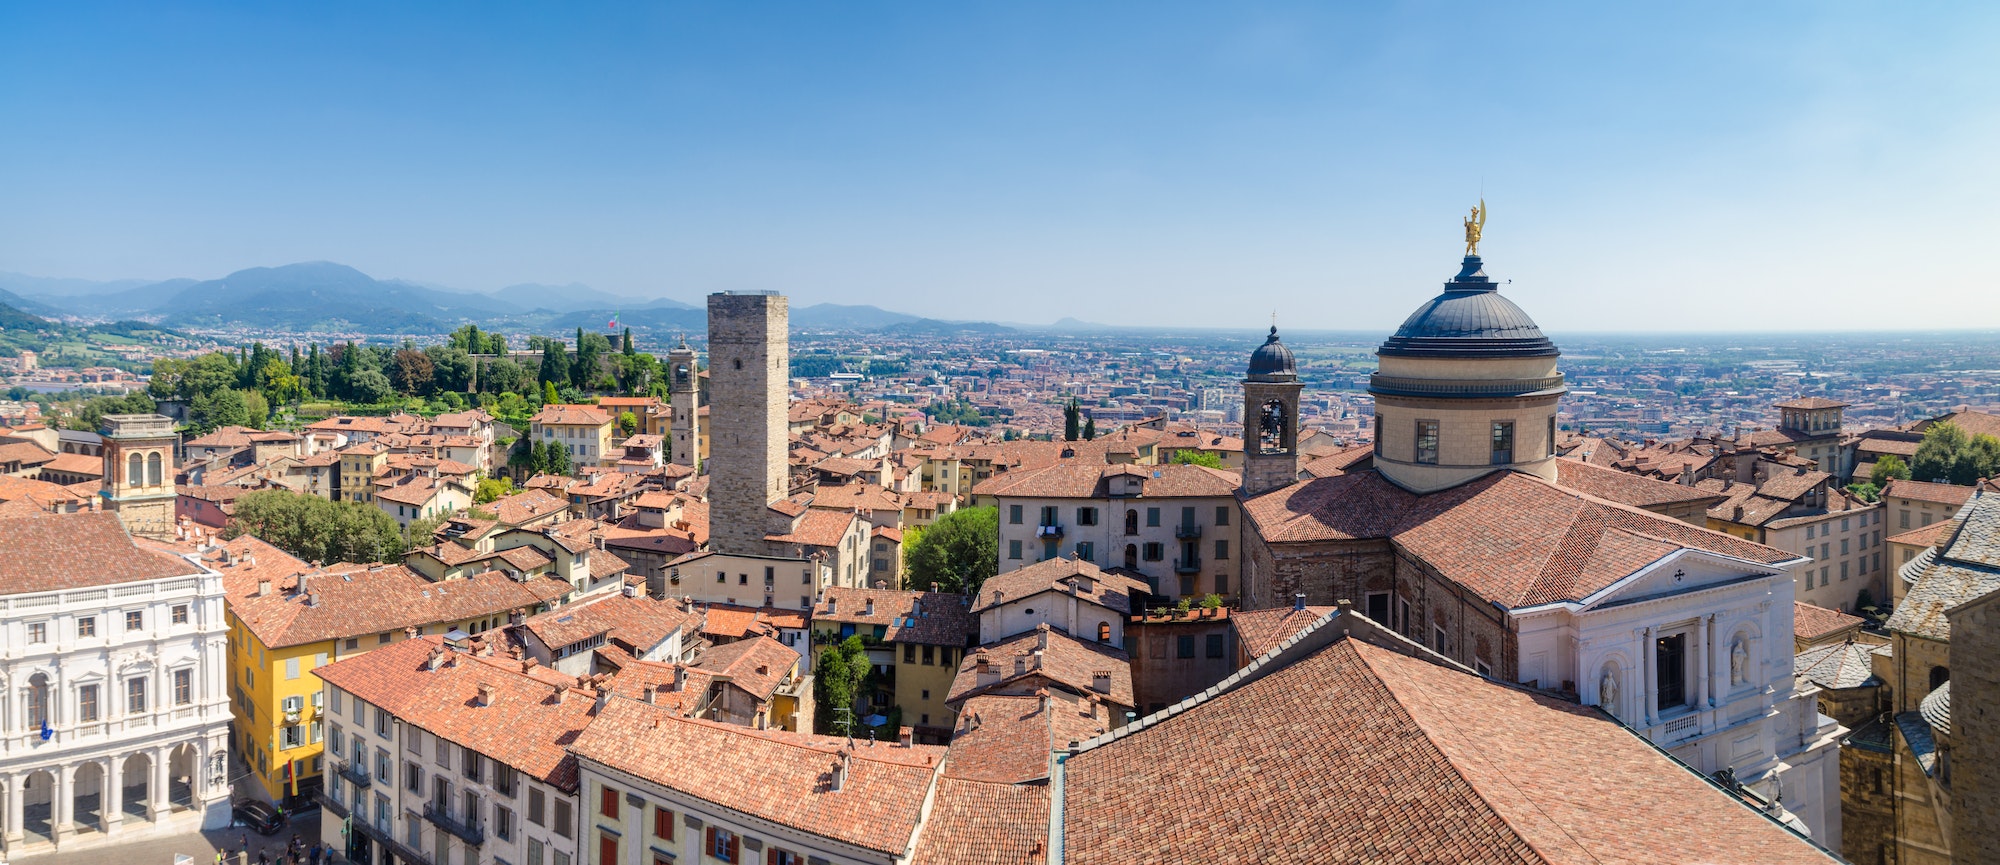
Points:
[1470,319]
[1273,358]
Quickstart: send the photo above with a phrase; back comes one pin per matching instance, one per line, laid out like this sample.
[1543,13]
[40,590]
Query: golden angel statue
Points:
[1473,225]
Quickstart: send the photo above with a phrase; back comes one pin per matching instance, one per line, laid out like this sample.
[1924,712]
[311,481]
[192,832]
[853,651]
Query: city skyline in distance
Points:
[1796,168]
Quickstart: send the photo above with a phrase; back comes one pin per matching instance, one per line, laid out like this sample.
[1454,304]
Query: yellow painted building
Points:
[359,464]
[583,431]
[917,638]
[287,619]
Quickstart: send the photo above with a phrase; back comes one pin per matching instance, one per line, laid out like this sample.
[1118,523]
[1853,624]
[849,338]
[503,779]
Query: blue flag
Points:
[47,733]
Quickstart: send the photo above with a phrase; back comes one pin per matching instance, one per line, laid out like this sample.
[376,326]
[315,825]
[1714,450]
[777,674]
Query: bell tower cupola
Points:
[1270,418]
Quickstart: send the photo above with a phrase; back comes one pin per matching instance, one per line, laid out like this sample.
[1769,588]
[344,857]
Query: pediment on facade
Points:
[1680,572]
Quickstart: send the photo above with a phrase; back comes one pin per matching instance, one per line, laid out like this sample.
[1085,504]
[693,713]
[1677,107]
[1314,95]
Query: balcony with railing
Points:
[1054,530]
[1186,531]
[1190,565]
[357,774]
[466,830]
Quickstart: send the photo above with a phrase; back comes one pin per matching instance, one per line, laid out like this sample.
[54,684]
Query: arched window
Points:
[38,701]
[135,471]
[153,469]
[1104,632]
[1939,676]
[1131,522]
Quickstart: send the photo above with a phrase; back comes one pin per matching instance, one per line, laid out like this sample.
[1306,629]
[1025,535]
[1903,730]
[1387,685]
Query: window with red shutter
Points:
[735,848]
[607,850]
[663,823]
[607,801]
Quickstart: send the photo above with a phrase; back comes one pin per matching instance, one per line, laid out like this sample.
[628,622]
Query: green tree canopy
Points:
[318,530]
[837,678]
[220,408]
[958,552]
[1948,454]
[1192,457]
[1888,468]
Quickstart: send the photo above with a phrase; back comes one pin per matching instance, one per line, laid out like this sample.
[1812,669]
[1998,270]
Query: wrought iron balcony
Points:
[357,774]
[466,830]
[1185,531]
[1187,566]
[1052,531]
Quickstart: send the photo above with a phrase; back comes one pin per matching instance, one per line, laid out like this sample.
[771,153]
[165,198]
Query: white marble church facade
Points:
[114,710]
[1694,652]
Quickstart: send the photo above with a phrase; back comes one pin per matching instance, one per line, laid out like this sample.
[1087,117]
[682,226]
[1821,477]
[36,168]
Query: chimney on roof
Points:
[263,588]
[312,599]
[680,677]
[302,581]
[1020,665]
[562,693]
[485,694]
[436,656]
[1042,638]
[832,605]
[839,773]
[1100,681]
[1298,601]
[906,737]
[869,609]
[647,694]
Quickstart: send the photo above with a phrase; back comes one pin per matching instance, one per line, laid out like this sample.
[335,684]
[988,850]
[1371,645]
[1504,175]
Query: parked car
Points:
[258,816]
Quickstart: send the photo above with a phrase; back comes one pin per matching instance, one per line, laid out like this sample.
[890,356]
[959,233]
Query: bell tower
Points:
[684,394]
[1270,418]
[139,472]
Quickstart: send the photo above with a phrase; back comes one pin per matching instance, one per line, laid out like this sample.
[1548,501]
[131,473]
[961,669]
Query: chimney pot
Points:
[1298,600]
[263,588]
[485,694]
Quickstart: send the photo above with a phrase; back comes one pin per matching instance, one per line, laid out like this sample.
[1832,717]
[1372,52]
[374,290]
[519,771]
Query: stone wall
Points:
[748,358]
[1975,712]
[1160,675]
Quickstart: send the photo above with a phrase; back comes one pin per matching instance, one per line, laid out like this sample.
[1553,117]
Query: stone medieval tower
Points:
[1270,418]
[749,366]
[139,472]
[684,391]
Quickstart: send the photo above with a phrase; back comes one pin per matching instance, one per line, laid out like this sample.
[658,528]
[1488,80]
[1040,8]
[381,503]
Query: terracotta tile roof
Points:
[1070,480]
[525,726]
[1008,739]
[925,618]
[1925,536]
[76,464]
[817,528]
[525,507]
[640,623]
[50,552]
[569,415]
[362,599]
[1416,762]
[41,493]
[1047,656]
[1625,488]
[1112,591]
[847,497]
[1260,631]
[1811,402]
[26,453]
[1813,623]
[1840,665]
[1973,422]
[775,776]
[1513,539]
[980,823]
[758,664]
[1339,462]
[1951,495]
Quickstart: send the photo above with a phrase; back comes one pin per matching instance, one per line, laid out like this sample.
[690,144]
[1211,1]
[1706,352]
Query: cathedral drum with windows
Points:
[1467,386]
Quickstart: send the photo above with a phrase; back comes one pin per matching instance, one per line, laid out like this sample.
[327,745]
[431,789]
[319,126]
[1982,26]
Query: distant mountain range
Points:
[322,296]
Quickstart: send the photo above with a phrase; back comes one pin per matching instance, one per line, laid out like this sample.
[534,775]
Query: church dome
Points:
[1469,320]
[1273,358]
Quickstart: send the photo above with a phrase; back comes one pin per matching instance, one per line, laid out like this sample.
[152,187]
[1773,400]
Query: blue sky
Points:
[1760,166]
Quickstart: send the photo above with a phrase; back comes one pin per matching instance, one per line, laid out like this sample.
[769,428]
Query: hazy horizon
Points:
[1784,168]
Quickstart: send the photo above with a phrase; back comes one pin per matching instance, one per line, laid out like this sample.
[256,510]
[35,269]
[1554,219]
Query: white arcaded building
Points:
[114,706]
